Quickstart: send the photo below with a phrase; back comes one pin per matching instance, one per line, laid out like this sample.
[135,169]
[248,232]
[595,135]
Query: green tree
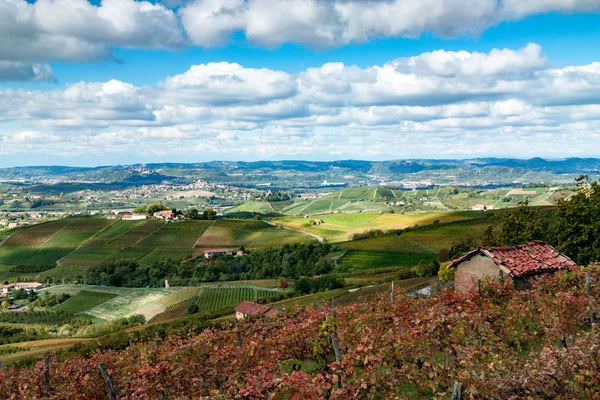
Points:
[140,210]
[155,207]
[489,237]
[209,213]
[464,245]
[521,225]
[192,213]
[577,231]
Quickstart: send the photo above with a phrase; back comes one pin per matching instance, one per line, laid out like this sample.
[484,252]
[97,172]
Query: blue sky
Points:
[125,81]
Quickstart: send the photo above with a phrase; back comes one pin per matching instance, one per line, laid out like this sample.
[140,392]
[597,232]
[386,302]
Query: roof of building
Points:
[219,250]
[251,308]
[525,259]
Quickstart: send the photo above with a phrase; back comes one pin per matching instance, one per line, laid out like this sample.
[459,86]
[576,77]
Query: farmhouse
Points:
[248,309]
[212,253]
[29,286]
[520,263]
[167,214]
[134,217]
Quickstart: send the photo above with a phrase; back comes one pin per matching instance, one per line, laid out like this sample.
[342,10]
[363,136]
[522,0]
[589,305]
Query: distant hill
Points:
[315,174]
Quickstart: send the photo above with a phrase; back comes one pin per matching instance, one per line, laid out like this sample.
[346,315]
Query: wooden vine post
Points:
[588,284]
[456,391]
[392,292]
[46,374]
[336,348]
[110,387]
[239,339]
[5,372]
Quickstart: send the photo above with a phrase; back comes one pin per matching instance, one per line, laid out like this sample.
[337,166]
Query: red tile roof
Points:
[251,308]
[522,260]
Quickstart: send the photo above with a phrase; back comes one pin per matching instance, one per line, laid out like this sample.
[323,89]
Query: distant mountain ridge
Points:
[297,173]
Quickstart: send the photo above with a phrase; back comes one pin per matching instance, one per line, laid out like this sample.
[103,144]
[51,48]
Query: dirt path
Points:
[319,238]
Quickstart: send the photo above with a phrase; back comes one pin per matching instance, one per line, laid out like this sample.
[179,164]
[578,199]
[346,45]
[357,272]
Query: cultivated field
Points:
[84,300]
[341,227]
[75,244]
[410,247]
[134,301]
[248,233]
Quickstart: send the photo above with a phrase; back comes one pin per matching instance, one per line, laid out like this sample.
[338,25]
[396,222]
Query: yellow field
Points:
[341,227]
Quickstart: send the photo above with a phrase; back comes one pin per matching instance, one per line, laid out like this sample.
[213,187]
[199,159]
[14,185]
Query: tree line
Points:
[290,261]
[573,227]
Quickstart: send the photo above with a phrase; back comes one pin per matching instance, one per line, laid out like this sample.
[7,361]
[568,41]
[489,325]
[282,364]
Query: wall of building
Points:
[468,272]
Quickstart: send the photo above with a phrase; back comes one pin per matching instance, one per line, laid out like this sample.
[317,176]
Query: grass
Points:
[84,300]
[248,233]
[35,235]
[180,235]
[135,301]
[389,243]
[442,236]
[341,227]
[366,259]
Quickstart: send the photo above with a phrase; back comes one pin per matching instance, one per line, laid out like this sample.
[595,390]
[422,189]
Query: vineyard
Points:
[495,343]
[214,298]
[176,305]
[209,298]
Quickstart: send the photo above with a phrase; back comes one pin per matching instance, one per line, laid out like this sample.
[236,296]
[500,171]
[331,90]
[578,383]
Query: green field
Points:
[84,300]
[248,233]
[341,227]
[410,247]
[75,244]
[135,301]
[46,243]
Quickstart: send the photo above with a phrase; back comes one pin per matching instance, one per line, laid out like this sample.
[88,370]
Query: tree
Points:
[443,255]
[140,210]
[303,285]
[155,207]
[489,237]
[5,304]
[464,245]
[209,213]
[521,225]
[192,213]
[577,231]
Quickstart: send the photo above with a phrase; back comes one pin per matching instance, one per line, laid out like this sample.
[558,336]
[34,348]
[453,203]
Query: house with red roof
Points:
[520,263]
[248,309]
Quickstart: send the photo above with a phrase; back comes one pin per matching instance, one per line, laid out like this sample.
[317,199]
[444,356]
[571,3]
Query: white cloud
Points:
[227,83]
[474,101]
[327,23]
[77,30]
[32,33]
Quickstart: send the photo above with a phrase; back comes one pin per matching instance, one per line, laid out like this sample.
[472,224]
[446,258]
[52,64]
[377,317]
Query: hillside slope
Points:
[498,344]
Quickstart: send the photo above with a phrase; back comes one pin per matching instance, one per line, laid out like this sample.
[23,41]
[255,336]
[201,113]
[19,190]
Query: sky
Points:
[102,82]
